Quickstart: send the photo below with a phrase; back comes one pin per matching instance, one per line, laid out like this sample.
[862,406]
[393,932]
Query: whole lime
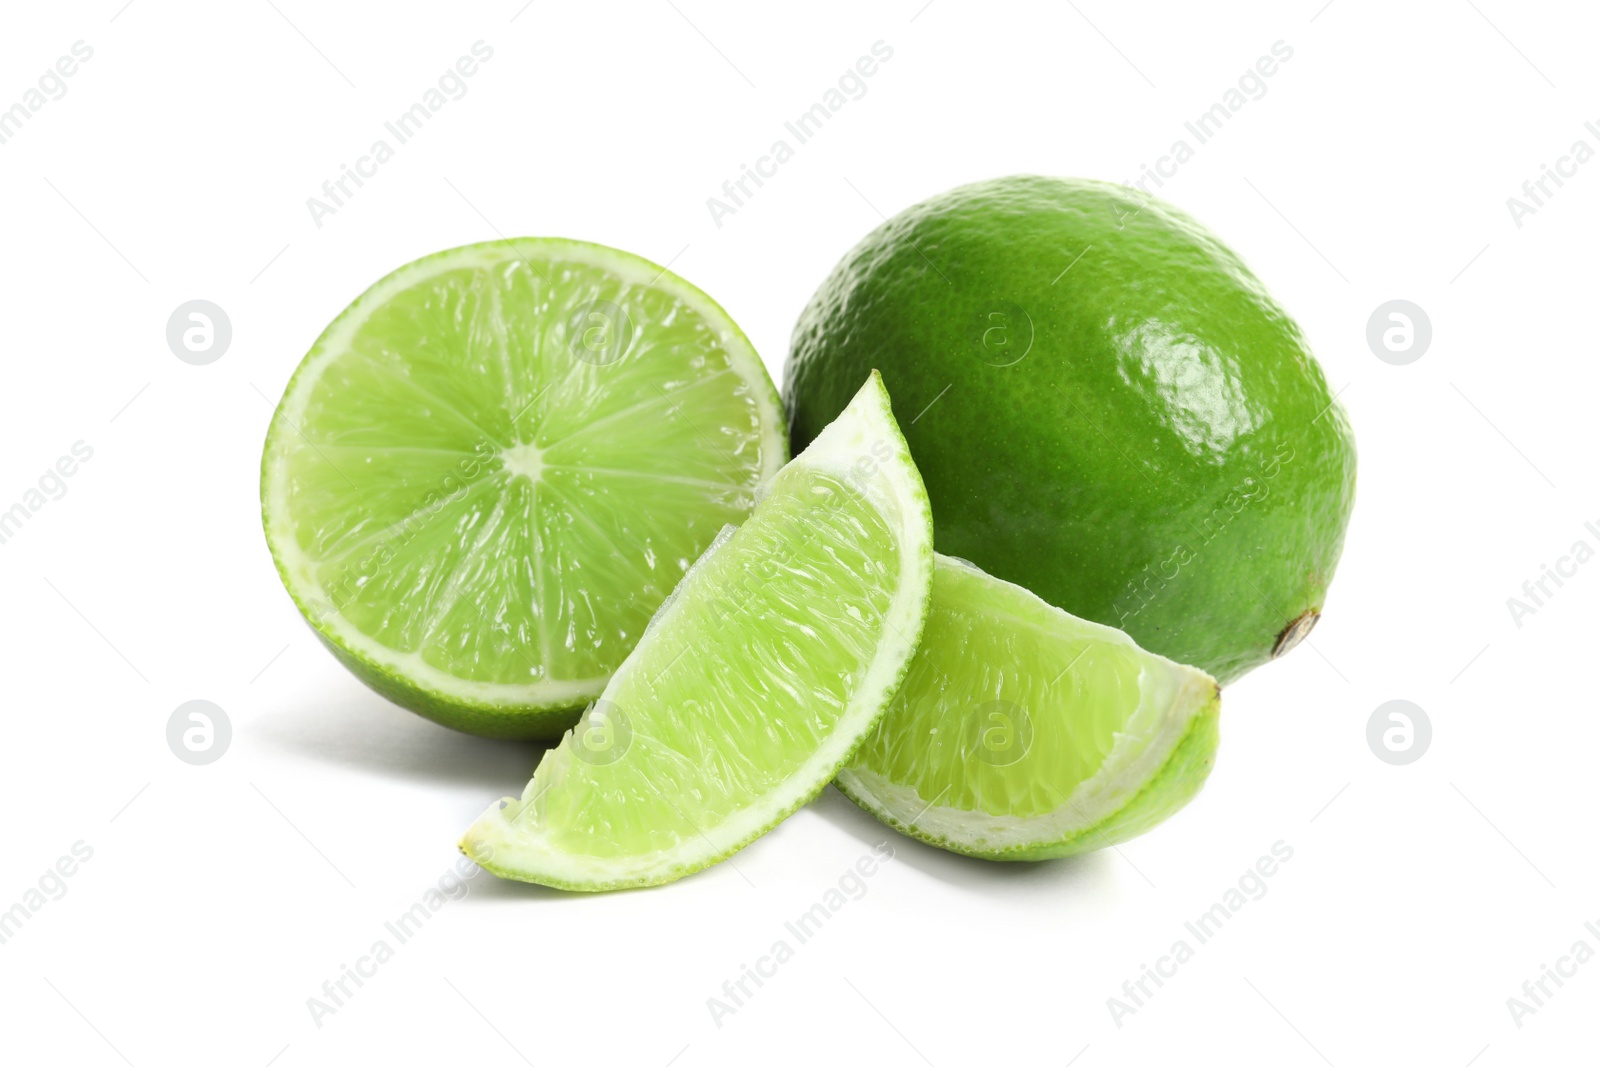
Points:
[1107,408]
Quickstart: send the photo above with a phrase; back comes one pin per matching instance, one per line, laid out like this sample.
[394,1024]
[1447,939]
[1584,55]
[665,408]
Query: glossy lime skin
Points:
[1106,406]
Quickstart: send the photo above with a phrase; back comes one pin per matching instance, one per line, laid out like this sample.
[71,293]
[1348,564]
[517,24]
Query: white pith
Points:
[518,847]
[523,460]
[298,569]
[1171,695]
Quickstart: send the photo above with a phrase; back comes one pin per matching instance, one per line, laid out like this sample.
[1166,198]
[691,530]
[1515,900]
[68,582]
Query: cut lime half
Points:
[1025,733]
[773,659]
[492,468]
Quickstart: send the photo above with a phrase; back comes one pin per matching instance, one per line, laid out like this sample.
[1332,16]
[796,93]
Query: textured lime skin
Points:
[1106,406]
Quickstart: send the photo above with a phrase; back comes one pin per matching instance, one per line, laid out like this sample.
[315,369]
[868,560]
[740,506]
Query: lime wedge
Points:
[492,468]
[775,656]
[1025,733]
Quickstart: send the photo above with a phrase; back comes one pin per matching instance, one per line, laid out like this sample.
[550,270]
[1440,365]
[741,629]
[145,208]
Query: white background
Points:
[219,898]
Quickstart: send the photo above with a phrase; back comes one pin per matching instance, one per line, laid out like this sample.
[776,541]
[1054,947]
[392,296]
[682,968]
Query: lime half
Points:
[773,659]
[492,468]
[1025,733]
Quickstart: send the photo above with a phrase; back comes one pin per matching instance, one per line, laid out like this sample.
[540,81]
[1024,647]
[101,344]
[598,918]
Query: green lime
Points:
[492,468]
[774,657]
[1106,405]
[1024,733]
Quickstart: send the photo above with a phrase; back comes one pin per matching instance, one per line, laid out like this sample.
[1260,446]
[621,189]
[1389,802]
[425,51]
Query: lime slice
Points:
[1025,733]
[492,468]
[773,659]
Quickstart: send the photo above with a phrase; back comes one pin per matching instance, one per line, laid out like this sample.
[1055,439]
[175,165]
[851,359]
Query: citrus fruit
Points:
[493,467]
[1025,733]
[1107,407]
[776,654]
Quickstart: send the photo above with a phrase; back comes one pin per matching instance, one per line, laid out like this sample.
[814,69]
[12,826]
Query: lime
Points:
[1106,405]
[492,468]
[1024,733]
[774,657]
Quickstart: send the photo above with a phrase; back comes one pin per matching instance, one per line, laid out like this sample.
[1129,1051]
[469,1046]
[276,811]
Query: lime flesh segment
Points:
[490,471]
[774,658]
[1023,732]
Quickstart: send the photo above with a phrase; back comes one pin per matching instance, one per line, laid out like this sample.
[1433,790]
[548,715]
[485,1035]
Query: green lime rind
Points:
[1179,782]
[527,722]
[755,684]
[548,700]
[1141,433]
